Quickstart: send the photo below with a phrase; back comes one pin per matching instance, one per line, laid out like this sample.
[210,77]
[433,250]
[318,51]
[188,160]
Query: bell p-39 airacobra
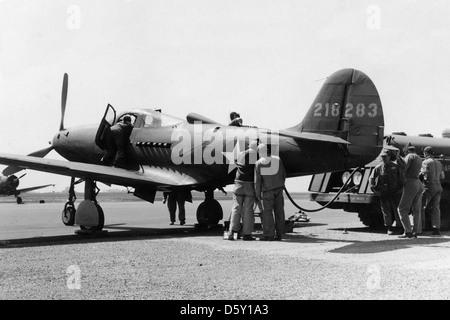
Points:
[9,184]
[342,129]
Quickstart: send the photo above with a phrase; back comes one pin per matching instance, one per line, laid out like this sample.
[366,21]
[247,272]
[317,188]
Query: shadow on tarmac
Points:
[125,234]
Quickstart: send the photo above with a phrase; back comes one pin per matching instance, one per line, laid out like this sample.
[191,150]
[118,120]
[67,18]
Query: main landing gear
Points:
[89,216]
[209,212]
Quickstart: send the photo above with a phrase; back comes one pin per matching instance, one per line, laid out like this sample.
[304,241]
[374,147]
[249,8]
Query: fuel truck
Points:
[328,189]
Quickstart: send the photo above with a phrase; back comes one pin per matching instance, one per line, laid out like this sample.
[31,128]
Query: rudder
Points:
[348,106]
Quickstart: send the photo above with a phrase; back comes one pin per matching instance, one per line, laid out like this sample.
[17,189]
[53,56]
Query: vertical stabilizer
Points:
[348,106]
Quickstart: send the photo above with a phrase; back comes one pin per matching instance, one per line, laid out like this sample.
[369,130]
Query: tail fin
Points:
[348,106]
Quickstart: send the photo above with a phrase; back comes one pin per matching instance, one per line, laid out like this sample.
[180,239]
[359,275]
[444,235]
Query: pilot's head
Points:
[127,119]
[234,115]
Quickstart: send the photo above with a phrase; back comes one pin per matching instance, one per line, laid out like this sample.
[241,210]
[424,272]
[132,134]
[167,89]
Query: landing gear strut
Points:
[209,212]
[68,213]
[89,216]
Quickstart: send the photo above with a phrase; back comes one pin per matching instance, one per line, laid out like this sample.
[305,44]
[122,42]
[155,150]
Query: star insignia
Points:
[233,156]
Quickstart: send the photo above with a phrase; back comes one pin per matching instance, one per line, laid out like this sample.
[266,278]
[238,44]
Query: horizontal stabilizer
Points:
[34,188]
[305,136]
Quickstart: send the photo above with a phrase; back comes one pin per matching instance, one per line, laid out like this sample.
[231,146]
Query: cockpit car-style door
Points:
[105,127]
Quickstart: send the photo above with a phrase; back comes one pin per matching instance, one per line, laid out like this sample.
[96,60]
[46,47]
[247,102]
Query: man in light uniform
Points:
[244,194]
[270,177]
[432,173]
[411,199]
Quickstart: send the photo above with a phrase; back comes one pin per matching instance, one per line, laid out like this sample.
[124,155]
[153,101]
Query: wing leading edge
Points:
[150,175]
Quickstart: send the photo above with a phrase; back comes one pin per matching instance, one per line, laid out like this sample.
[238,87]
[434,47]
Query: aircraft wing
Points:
[34,188]
[150,175]
[305,136]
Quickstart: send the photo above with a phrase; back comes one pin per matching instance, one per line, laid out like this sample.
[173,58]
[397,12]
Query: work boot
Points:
[406,235]
[436,232]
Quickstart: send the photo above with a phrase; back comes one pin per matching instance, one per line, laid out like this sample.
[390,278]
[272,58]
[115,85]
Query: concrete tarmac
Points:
[141,256]
[35,221]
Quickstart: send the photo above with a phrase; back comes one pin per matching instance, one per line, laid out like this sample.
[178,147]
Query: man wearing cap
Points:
[244,194]
[386,181]
[270,177]
[431,174]
[411,199]
[235,119]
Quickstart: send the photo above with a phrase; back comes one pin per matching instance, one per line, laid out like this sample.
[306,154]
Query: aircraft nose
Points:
[60,139]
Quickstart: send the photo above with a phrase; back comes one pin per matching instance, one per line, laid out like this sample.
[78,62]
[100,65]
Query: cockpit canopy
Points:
[146,118]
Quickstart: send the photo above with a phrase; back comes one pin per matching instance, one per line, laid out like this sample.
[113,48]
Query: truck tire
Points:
[371,216]
[445,215]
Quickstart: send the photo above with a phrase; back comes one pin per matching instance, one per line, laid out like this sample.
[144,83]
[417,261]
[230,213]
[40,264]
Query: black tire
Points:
[101,221]
[445,215]
[19,200]
[371,216]
[68,215]
[209,212]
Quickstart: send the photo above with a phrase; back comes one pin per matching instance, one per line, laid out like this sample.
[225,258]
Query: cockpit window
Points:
[131,115]
[157,119]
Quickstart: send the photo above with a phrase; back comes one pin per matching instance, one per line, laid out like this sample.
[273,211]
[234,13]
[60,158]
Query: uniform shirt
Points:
[431,170]
[389,177]
[246,166]
[413,165]
[265,178]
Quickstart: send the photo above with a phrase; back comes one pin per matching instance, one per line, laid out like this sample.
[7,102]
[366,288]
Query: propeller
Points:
[43,152]
[39,154]
[64,100]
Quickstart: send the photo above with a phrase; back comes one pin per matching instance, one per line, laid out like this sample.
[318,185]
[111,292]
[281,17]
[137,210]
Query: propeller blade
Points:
[64,99]
[21,176]
[39,154]
[11,170]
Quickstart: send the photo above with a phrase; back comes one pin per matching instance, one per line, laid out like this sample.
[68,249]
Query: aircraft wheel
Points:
[68,215]
[445,215]
[19,200]
[101,221]
[209,212]
[371,216]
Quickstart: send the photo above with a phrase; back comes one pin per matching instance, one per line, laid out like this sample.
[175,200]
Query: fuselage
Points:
[161,140]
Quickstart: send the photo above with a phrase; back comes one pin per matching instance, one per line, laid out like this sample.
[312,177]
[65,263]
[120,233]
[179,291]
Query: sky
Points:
[265,59]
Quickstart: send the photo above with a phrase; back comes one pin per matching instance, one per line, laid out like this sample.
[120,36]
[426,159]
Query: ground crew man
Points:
[431,174]
[387,182]
[174,198]
[244,194]
[270,177]
[235,119]
[411,199]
